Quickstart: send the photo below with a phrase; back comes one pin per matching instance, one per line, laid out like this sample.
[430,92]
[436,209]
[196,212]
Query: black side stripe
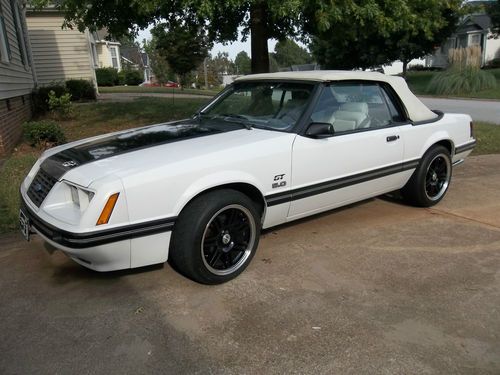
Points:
[100,237]
[339,183]
[465,147]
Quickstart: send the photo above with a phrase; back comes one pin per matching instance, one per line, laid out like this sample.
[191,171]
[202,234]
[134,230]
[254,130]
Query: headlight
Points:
[80,196]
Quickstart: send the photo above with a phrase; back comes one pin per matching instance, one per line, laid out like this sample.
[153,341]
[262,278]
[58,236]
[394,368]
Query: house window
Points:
[4,42]
[19,31]
[474,39]
[114,57]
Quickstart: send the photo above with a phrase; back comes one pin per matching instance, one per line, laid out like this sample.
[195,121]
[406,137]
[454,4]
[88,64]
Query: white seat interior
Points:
[350,116]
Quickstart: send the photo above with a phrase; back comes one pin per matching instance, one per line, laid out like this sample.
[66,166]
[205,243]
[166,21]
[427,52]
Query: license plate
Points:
[24,225]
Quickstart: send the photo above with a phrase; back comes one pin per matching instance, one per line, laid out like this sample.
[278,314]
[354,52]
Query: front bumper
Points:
[127,246]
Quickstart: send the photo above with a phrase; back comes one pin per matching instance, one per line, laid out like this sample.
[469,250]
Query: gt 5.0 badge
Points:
[278,181]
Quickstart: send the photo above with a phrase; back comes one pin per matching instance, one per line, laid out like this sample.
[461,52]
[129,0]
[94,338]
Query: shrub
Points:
[461,81]
[421,68]
[130,77]
[106,76]
[464,75]
[80,89]
[41,96]
[43,133]
[60,105]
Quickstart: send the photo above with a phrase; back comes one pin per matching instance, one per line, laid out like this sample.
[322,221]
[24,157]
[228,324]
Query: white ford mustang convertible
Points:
[269,149]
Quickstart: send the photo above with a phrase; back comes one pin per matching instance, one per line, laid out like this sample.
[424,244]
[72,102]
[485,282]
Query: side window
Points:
[352,106]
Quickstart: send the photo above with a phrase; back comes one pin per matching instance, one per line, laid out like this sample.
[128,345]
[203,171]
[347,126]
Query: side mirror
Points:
[320,130]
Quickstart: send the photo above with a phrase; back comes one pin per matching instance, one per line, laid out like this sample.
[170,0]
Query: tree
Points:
[243,63]
[159,64]
[402,33]
[288,53]
[259,19]
[273,64]
[494,12]
[183,45]
[223,64]
[434,26]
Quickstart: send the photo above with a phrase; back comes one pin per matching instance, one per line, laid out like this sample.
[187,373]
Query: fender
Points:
[214,180]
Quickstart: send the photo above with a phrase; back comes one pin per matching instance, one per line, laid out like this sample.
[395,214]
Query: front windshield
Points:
[271,105]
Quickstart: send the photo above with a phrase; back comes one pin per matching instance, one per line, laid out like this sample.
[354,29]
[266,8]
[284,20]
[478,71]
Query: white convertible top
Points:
[417,111]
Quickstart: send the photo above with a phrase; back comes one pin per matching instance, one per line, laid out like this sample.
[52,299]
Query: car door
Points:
[363,157]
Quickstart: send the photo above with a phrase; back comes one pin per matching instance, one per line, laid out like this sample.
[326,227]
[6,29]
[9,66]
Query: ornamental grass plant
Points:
[464,76]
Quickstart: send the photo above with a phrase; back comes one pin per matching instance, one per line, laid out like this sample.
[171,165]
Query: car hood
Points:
[124,153]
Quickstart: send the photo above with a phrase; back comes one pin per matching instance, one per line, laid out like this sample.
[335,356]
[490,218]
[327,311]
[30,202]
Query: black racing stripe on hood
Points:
[58,164]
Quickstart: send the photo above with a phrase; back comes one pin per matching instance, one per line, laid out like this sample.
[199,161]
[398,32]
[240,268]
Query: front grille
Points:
[40,187]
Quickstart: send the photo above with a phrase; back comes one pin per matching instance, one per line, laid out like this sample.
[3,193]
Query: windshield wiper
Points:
[234,116]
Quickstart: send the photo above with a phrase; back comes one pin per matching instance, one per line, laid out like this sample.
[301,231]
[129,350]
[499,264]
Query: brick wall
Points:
[13,113]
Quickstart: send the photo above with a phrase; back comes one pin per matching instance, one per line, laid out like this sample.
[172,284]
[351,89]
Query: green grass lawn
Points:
[162,90]
[99,118]
[419,81]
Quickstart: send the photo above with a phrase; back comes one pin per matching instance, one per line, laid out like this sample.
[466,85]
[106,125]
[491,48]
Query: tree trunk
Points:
[259,36]
[405,67]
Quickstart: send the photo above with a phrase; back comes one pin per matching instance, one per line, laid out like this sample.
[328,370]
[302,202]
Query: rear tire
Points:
[430,181]
[215,236]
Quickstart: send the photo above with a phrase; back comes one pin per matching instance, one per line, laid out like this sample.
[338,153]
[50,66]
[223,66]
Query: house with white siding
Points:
[17,76]
[108,50]
[473,30]
[59,54]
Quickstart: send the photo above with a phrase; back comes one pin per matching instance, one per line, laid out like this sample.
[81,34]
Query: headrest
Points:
[355,107]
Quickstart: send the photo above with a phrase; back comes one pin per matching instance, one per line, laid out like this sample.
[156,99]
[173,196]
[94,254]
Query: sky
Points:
[231,48]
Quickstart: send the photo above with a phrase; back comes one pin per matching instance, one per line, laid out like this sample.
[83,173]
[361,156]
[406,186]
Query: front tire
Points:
[430,181]
[215,236]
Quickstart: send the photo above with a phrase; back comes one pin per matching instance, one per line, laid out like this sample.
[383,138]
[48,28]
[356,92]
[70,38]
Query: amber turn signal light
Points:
[108,209]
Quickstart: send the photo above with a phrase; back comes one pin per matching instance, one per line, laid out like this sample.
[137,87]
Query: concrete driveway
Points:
[479,110]
[376,288]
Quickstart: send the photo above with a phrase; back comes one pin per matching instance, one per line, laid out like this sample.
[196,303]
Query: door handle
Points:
[392,138]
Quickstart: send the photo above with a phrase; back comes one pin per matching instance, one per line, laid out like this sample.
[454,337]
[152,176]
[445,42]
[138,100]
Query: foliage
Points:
[464,75]
[419,84]
[80,89]
[273,64]
[159,65]
[216,67]
[384,31]
[455,81]
[60,106]
[130,77]
[221,19]
[41,96]
[488,138]
[43,133]
[183,45]
[288,53]
[422,68]
[159,89]
[494,12]
[12,173]
[243,63]
[107,76]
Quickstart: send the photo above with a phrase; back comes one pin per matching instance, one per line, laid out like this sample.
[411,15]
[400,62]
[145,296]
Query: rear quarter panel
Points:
[454,128]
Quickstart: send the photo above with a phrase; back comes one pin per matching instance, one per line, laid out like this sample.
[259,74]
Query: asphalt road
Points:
[376,288]
[479,110]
